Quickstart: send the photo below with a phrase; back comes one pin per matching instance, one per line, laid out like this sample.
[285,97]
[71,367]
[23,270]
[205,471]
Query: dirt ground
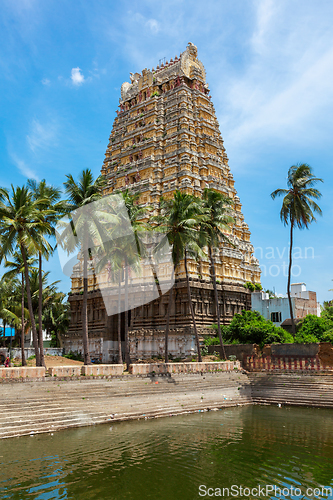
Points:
[51,361]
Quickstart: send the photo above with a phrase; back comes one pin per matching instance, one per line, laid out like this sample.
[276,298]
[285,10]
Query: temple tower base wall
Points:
[147,323]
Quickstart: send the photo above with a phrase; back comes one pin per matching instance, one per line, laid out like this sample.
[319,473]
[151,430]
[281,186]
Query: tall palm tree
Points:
[179,218]
[8,309]
[56,317]
[298,209]
[121,252]
[17,268]
[50,211]
[20,227]
[5,293]
[113,262]
[80,194]
[216,206]
[132,250]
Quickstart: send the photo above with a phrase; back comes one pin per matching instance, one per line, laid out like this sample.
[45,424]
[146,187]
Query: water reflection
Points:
[169,458]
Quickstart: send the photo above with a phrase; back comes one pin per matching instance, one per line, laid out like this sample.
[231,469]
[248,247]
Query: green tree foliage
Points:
[252,328]
[81,193]
[250,286]
[22,228]
[315,329]
[50,210]
[217,222]
[180,219]
[56,318]
[131,252]
[16,268]
[327,311]
[7,294]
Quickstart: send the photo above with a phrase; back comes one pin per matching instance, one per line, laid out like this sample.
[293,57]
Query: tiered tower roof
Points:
[165,137]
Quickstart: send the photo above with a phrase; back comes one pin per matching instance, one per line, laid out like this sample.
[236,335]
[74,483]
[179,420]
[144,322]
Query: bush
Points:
[77,356]
[305,338]
[314,326]
[250,286]
[281,337]
[212,341]
[204,351]
[252,328]
[327,336]
[327,311]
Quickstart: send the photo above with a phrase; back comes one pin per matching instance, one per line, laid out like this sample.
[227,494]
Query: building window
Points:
[276,317]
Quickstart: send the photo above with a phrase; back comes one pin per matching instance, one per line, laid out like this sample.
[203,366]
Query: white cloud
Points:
[290,107]
[41,136]
[46,81]
[77,77]
[23,168]
[267,10]
[153,25]
[285,83]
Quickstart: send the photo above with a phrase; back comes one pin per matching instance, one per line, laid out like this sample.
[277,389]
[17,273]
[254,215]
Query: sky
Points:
[269,65]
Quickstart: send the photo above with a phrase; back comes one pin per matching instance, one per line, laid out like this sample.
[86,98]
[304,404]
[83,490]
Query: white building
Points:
[277,309]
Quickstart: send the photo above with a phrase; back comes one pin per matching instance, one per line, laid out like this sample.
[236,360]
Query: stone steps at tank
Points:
[90,418]
[96,391]
[39,403]
[31,408]
[67,408]
[293,389]
[33,429]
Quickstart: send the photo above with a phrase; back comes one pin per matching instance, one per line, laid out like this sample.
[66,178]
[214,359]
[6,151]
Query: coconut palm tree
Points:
[180,218]
[17,269]
[217,208]
[298,209]
[50,211]
[133,249]
[8,309]
[86,228]
[20,226]
[121,251]
[113,262]
[56,317]
[5,293]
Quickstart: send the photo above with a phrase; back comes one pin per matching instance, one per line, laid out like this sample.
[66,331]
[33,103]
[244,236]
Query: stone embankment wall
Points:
[282,357]
[22,372]
[35,407]
[116,370]
[165,368]
[67,401]
[300,389]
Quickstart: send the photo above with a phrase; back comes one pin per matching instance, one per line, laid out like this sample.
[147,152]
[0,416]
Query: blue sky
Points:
[269,65]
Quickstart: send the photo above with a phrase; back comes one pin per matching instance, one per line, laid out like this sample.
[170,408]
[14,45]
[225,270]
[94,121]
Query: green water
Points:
[169,458]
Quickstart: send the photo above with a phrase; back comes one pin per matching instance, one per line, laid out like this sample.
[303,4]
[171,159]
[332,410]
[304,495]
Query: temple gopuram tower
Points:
[166,137]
